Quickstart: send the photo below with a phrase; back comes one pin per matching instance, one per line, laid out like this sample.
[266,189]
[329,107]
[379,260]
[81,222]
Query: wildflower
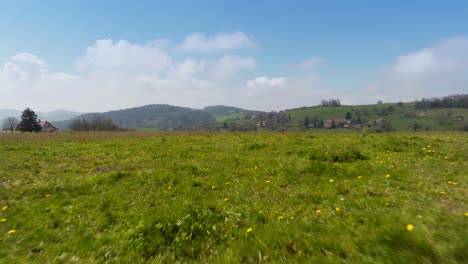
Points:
[225,199]
[5,207]
[249,230]
[12,231]
[292,217]
[169,187]
[442,192]
[337,209]
[449,182]
[318,211]
[387,176]
[409,227]
[280,217]
[446,157]
[3,220]
[359,177]
[267,181]
[466,214]
[47,195]
[332,180]
[213,187]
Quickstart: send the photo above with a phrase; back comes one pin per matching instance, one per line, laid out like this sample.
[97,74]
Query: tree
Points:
[10,124]
[358,120]
[348,116]
[416,126]
[29,121]
[306,122]
[379,102]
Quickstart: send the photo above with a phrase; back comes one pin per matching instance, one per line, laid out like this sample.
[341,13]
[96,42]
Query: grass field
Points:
[233,197]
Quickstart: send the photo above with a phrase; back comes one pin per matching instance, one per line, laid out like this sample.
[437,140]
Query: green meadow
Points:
[152,197]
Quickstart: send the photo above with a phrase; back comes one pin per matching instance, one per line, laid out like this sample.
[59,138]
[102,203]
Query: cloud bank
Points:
[205,70]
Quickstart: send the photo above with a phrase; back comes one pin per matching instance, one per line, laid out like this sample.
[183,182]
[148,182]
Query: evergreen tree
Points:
[359,120]
[348,116]
[29,121]
[306,122]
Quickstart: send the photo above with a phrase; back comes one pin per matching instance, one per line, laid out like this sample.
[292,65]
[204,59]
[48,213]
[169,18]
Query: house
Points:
[336,123]
[459,118]
[46,126]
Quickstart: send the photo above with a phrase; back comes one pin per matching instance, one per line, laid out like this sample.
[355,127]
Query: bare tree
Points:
[10,123]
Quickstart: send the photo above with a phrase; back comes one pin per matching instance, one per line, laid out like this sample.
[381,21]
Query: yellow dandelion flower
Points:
[410,227]
[5,207]
[249,230]
[292,217]
[318,211]
[359,177]
[267,181]
[225,199]
[47,195]
[280,217]
[442,192]
[332,180]
[12,231]
[387,176]
[454,183]
[446,157]
[337,209]
[449,182]
[3,220]
[466,214]
[213,187]
[169,187]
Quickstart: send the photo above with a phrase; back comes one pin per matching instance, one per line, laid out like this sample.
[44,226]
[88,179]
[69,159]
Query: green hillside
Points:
[400,116]
[228,113]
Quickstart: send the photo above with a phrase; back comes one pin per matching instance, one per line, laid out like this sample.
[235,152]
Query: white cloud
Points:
[281,92]
[228,66]
[28,58]
[188,68]
[309,64]
[198,42]
[438,70]
[123,57]
[264,85]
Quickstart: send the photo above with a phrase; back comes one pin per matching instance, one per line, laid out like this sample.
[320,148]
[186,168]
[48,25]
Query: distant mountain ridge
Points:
[55,115]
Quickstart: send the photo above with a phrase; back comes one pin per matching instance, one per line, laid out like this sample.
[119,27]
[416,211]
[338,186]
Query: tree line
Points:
[451,101]
[96,124]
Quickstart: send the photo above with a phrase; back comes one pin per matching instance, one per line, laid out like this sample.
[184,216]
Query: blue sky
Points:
[280,54]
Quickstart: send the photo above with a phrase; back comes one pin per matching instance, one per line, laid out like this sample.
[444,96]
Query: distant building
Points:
[46,126]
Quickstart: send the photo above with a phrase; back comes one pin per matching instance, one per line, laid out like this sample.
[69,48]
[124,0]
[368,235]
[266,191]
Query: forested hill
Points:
[158,116]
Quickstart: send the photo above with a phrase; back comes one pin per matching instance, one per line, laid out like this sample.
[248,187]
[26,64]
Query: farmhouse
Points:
[46,126]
